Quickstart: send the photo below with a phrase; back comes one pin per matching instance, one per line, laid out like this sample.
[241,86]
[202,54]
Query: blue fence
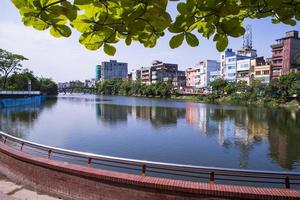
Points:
[14,102]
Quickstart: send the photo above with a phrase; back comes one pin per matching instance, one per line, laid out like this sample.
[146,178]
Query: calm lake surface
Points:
[163,130]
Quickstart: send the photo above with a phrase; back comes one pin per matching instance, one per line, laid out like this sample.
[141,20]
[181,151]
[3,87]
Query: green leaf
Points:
[28,21]
[128,40]
[19,3]
[181,7]
[290,22]
[40,25]
[222,43]
[60,31]
[176,40]
[83,2]
[191,39]
[109,49]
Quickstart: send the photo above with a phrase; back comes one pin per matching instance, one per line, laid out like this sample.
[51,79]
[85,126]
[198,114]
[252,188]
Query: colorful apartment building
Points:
[190,74]
[286,54]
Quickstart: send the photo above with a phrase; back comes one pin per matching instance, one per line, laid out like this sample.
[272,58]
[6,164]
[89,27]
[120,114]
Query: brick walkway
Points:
[5,197]
[12,191]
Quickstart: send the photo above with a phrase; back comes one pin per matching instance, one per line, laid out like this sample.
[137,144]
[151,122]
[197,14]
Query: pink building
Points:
[286,54]
[190,74]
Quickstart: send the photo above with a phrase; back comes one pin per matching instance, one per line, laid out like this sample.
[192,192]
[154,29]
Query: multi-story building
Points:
[224,55]
[136,75]
[286,54]
[243,70]
[146,75]
[159,72]
[231,67]
[129,76]
[262,73]
[90,83]
[190,75]
[179,82]
[247,52]
[260,70]
[203,70]
[98,72]
[214,75]
[111,70]
[163,71]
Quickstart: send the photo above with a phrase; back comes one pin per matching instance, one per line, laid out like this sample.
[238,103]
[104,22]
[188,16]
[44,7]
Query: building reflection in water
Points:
[158,116]
[233,127]
[246,127]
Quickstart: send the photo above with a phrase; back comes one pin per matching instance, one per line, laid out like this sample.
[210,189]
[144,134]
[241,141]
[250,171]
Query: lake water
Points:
[163,130]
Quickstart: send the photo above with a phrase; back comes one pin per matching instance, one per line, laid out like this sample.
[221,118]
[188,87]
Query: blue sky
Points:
[65,59]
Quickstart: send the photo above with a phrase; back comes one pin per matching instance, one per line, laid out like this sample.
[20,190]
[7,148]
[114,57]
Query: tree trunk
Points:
[4,82]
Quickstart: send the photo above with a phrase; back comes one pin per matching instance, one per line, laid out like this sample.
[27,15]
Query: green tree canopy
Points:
[102,23]
[9,63]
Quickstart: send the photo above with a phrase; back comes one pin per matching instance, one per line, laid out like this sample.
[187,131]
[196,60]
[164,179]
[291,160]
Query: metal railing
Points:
[20,92]
[160,169]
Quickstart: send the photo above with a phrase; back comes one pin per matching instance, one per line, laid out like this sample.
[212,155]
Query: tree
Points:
[19,81]
[218,86]
[48,86]
[242,87]
[102,23]
[9,63]
[230,88]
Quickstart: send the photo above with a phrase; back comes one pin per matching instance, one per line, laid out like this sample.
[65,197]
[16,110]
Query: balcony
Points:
[277,55]
[278,45]
[278,65]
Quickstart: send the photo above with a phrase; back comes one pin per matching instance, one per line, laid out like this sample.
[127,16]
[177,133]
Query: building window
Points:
[266,72]
[231,67]
[258,73]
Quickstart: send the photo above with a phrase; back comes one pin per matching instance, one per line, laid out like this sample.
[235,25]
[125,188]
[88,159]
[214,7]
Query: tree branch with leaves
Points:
[103,23]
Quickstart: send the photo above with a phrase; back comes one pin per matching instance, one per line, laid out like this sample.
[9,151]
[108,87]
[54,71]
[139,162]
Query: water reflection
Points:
[158,116]
[189,133]
[18,121]
[239,128]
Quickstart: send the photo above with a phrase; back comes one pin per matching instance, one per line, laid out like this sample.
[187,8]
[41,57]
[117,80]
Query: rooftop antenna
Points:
[247,38]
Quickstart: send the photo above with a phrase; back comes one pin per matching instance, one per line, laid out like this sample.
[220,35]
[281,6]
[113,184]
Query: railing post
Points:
[22,146]
[212,177]
[143,170]
[89,162]
[287,182]
[49,153]
[5,138]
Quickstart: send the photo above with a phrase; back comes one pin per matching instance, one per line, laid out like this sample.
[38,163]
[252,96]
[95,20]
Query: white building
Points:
[203,70]
[231,67]
[243,70]
[223,57]
[214,75]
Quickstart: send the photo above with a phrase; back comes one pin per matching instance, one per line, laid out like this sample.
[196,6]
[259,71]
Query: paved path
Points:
[12,191]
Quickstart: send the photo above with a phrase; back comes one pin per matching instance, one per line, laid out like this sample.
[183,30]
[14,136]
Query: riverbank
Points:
[269,103]
[9,102]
